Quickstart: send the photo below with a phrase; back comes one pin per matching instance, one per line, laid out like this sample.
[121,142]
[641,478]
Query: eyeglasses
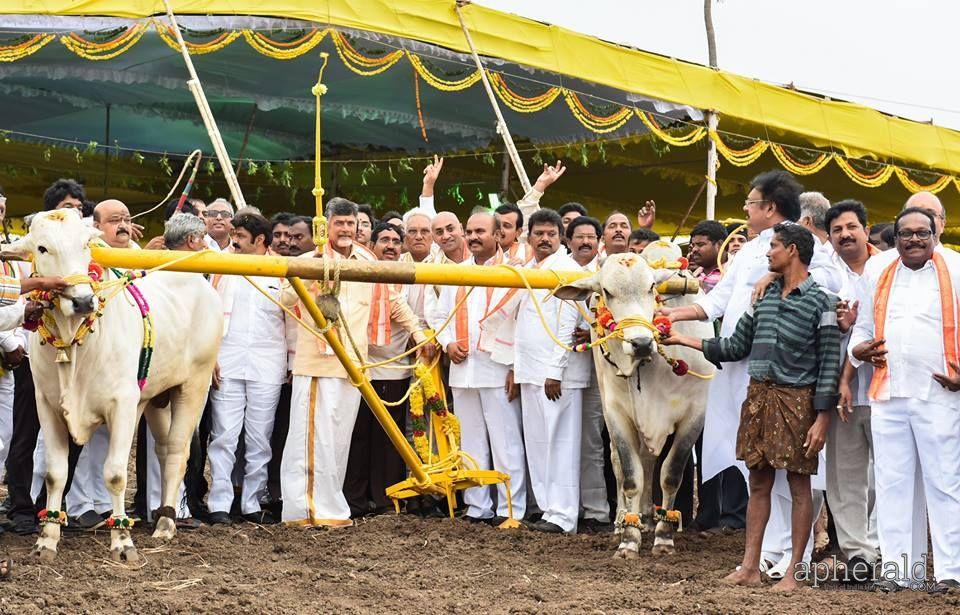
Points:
[217,213]
[750,202]
[907,235]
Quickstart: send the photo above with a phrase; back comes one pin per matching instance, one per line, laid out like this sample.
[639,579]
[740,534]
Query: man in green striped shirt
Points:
[793,344]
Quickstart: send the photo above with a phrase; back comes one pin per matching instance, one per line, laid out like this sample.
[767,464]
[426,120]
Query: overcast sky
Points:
[899,56]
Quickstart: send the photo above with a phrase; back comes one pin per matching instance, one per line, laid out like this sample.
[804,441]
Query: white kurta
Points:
[551,429]
[916,433]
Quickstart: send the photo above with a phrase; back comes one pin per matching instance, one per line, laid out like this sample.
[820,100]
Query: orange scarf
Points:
[880,385]
[462,325]
[378,329]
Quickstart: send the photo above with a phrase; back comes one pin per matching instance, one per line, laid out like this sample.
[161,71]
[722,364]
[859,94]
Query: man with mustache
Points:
[551,385]
[906,328]
[773,198]
[583,241]
[616,234]
[325,403]
[113,219]
[488,409]
[280,234]
[640,239]
[705,241]
[373,463]
[849,441]
[512,216]
[251,368]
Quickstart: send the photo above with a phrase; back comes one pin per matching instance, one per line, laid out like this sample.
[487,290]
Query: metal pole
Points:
[360,380]
[209,122]
[501,123]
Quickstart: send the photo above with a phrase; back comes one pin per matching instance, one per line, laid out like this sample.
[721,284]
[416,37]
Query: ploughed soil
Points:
[411,565]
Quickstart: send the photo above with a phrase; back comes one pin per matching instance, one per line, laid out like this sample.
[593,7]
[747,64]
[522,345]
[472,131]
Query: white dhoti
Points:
[322,415]
[6,418]
[728,390]
[251,407]
[551,433]
[593,486]
[492,433]
[914,437]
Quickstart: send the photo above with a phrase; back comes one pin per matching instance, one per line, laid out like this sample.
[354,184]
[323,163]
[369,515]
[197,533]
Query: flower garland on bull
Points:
[608,328]
[94,277]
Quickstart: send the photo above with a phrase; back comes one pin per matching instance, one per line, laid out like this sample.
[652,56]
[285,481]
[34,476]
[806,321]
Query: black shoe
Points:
[478,520]
[533,517]
[260,518]
[24,526]
[595,526]
[220,518]
[497,521]
[886,586]
[944,587]
[86,522]
[858,570]
[547,528]
[5,505]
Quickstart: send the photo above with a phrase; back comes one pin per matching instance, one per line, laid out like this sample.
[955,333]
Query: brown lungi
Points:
[774,421]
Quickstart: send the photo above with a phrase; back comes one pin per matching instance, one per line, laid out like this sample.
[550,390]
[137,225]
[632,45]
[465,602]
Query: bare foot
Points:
[743,577]
[786,585]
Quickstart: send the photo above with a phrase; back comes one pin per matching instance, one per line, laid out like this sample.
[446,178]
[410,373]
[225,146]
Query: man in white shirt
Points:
[217,218]
[583,240]
[813,211]
[773,198]
[551,386]
[490,419]
[907,328]
[850,442]
[251,368]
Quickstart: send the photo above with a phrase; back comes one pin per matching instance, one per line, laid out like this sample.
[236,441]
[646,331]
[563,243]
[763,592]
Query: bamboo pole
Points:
[501,123]
[359,380]
[205,112]
[712,118]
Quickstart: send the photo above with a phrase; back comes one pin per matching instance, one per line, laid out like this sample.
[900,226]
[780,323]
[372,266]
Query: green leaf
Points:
[404,199]
[165,165]
[404,164]
[537,157]
[5,135]
[393,179]
[138,157]
[489,160]
[91,148]
[47,154]
[344,171]
[267,169]
[603,151]
[252,168]
[77,154]
[584,156]
[209,168]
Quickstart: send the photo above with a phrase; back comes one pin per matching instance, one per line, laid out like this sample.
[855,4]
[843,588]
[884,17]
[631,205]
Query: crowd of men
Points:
[832,335]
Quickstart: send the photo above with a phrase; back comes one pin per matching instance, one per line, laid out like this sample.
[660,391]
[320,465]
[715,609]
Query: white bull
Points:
[643,400]
[99,383]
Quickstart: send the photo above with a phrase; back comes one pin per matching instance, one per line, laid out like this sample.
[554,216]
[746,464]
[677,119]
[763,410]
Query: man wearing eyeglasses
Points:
[774,198]
[907,328]
[217,218]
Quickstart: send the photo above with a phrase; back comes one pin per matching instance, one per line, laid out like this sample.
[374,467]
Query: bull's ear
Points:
[579,289]
[21,248]
[93,233]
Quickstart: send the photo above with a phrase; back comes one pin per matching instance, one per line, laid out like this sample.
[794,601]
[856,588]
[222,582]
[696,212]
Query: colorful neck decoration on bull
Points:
[95,278]
[608,328]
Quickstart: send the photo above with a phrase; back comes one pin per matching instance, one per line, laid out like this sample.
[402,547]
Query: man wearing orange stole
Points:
[907,328]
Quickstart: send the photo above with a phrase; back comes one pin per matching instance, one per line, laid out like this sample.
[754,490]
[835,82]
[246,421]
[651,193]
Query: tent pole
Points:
[209,122]
[711,116]
[501,123]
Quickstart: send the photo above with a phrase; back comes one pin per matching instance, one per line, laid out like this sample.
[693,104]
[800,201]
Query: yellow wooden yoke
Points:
[440,478]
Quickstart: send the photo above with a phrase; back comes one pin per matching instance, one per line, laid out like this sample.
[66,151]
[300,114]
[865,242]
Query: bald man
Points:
[113,218]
